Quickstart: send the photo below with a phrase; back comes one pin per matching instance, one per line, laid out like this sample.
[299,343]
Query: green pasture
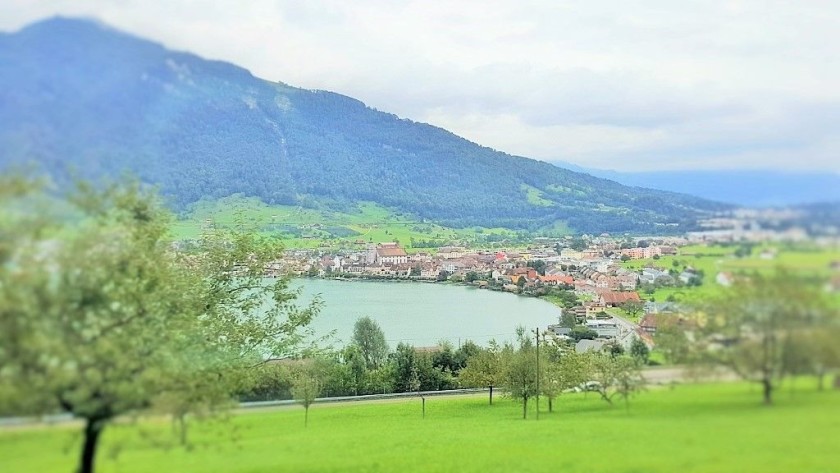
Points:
[301,227]
[803,259]
[689,428]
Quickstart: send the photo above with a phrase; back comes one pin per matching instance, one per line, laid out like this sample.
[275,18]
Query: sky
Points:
[625,85]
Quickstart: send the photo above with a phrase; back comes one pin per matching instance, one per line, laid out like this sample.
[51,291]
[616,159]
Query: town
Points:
[603,297]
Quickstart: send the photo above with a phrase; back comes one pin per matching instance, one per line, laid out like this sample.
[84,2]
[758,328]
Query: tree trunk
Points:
[182,422]
[768,391]
[93,429]
[525,408]
[491,394]
[306,416]
[821,379]
[550,404]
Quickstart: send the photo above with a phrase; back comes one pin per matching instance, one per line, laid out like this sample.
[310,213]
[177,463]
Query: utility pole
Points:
[537,333]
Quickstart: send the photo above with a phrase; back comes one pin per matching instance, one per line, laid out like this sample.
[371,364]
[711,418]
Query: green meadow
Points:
[687,428]
[301,227]
[803,259]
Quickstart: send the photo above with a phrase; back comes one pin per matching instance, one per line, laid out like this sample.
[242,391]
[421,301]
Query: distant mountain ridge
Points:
[745,187]
[79,95]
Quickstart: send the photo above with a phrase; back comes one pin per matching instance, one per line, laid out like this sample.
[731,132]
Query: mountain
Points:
[80,97]
[745,187]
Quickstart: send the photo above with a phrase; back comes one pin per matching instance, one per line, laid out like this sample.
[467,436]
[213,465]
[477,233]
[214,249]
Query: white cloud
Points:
[619,84]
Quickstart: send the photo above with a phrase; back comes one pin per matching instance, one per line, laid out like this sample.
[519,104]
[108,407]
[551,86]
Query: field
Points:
[689,428]
[802,259]
[301,227]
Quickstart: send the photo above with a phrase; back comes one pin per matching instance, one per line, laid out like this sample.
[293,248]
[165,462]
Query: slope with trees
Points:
[82,97]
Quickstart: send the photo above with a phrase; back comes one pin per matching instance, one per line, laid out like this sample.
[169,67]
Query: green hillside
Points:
[81,99]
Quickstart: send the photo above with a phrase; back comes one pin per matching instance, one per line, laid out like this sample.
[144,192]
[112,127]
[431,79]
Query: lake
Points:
[421,314]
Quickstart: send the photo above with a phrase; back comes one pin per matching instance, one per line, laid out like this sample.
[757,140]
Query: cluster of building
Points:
[595,274]
[594,270]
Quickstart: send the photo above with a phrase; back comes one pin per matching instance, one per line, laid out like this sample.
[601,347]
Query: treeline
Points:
[522,370]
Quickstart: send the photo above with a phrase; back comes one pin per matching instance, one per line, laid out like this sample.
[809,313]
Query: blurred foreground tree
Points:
[766,327]
[101,315]
[616,375]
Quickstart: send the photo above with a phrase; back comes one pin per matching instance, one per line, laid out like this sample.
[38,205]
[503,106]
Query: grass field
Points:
[801,259]
[690,428]
[301,227]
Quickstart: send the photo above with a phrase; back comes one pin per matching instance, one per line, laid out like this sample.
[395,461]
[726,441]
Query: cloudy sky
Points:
[625,85]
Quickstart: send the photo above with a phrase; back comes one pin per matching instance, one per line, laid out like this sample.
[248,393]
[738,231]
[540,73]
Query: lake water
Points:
[422,314]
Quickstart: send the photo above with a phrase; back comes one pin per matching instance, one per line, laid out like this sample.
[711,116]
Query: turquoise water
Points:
[422,314]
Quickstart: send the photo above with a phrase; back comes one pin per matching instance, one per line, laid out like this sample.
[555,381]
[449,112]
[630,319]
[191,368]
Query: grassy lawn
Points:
[690,428]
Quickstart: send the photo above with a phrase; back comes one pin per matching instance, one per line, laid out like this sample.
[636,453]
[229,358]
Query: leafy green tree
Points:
[633,308]
[466,351]
[306,386]
[369,337]
[580,333]
[406,368]
[822,350]
[485,369]
[521,376]
[538,265]
[568,319]
[561,370]
[672,339]
[616,376]
[100,316]
[758,323]
[639,350]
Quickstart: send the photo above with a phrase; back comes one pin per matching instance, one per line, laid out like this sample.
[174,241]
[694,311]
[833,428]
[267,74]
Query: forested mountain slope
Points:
[80,97]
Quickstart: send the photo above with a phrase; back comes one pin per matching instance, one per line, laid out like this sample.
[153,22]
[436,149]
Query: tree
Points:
[640,351]
[357,367]
[628,378]
[521,376]
[100,316]
[406,368]
[822,352]
[580,333]
[560,371]
[568,319]
[758,324]
[369,337]
[633,308]
[672,339]
[616,375]
[306,386]
[466,351]
[538,265]
[484,369]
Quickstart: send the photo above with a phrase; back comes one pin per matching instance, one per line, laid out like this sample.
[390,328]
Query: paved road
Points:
[679,374]
[626,331]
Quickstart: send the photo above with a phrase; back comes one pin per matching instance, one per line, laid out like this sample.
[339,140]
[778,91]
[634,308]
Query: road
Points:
[626,331]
